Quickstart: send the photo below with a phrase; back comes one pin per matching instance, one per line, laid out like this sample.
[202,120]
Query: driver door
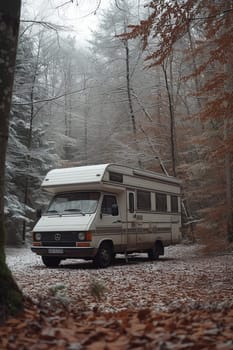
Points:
[110,225]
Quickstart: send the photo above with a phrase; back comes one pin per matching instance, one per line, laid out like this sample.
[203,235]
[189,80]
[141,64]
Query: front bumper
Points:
[65,252]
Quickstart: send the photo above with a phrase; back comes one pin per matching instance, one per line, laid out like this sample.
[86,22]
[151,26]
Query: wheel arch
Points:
[107,241]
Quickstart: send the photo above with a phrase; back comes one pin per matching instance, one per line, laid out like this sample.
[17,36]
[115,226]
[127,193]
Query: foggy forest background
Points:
[159,98]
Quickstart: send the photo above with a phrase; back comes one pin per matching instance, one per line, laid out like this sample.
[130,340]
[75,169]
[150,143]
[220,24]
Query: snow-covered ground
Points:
[182,276]
[20,259]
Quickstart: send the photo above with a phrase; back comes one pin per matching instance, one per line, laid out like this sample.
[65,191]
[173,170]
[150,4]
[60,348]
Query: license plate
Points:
[55,251]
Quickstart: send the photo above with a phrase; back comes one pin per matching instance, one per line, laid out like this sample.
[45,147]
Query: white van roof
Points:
[73,176]
[91,176]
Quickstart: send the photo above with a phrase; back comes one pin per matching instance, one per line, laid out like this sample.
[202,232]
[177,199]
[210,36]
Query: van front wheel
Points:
[51,261]
[104,256]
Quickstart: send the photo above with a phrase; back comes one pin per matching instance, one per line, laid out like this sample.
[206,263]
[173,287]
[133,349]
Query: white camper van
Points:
[98,211]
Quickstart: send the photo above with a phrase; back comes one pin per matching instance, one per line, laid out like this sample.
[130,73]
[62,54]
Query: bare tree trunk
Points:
[227,135]
[86,115]
[68,110]
[228,175]
[29,141]
[129,94]
[197,85]
[10,295]
[172,120]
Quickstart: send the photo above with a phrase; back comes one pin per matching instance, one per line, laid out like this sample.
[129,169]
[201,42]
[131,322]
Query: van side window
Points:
[115,177]
[107,204]
[174,204]
[143,200]
[131,202]
[161,202]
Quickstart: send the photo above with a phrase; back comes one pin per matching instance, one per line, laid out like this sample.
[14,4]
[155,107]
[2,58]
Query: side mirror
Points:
[115,210]
[38,213]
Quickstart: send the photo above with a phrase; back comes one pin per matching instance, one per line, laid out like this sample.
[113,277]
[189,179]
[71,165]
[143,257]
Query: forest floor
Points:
[182,301]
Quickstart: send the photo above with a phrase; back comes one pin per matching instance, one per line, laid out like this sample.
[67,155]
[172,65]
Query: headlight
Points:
[81,236]
[37,236]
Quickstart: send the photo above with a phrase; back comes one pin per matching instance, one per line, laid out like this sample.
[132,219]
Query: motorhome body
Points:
[98,211]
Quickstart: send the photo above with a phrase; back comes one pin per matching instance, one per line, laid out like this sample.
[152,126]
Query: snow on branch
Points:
[49,99]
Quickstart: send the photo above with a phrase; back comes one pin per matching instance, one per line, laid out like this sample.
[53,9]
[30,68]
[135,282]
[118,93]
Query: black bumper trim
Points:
[67,252]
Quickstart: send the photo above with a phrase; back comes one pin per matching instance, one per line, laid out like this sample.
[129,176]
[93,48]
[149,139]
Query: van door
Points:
[131,232]
[110,224]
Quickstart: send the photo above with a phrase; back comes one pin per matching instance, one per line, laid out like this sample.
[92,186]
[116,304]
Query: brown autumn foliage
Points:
[207,170]
[182,301]
[41,328]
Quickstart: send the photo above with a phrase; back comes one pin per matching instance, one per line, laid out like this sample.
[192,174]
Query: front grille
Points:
[68,236]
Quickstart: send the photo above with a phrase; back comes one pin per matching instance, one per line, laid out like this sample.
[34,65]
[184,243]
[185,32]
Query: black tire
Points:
[51,261]
[104,256]
[153,254]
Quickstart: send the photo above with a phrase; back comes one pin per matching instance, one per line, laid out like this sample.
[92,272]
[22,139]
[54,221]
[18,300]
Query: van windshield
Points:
[75,202]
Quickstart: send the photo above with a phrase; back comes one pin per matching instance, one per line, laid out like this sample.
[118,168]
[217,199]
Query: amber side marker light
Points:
[36,243]
[82,244]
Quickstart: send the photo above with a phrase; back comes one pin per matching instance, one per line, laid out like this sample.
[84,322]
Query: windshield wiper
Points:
[73,211]
[52,212]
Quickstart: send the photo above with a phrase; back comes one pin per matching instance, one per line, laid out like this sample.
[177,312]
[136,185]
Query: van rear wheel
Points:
[51,261]
[156,251]
[104,256]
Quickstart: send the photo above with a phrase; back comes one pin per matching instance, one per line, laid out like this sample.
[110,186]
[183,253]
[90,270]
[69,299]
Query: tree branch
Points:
[147,114]
[49,99]
[47,25]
